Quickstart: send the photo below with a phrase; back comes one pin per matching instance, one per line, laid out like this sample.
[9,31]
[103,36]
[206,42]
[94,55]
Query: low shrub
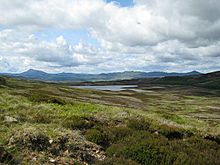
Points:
[98,137]
[116,161]
[2,81]
[168,131]
[106,136]
[116,134]
[35,142]
[139,124]
[5,156]
[39,142]
[173,132]
[76,122]
[147,148]
[46,98]
[142,147]
[41,118]
[213,138]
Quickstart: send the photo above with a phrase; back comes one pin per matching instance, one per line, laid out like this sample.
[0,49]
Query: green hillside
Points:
[45,123]
[210,80]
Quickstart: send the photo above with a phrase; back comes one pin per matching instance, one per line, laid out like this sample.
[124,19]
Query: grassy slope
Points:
[57,123]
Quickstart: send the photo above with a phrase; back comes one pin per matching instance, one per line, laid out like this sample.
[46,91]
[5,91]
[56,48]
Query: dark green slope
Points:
[2,81]
[210,80]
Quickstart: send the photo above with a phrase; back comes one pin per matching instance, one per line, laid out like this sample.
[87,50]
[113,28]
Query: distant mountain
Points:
[209,80]
[33,74]
[40,75]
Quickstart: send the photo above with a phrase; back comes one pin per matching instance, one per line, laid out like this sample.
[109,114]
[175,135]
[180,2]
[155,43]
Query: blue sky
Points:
[123,3]
[73,37]
[95,36]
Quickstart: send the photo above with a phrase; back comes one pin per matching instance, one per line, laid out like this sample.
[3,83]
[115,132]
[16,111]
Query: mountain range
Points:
[209,80]
[58,77]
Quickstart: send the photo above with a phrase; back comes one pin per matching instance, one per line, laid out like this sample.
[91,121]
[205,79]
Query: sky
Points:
[96,36]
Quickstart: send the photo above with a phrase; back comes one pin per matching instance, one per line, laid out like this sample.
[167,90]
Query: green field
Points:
[46,123]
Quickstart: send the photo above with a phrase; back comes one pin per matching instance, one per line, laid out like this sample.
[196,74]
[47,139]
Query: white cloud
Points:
[57,53]
[151,34]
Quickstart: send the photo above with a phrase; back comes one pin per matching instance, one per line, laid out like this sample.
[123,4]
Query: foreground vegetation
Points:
[54,124]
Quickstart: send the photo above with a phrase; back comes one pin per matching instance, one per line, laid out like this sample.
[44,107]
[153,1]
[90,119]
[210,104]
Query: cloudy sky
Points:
[93,36]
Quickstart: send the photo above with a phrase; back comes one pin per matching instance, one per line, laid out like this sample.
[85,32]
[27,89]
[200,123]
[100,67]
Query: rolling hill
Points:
[209,80]
[40,75]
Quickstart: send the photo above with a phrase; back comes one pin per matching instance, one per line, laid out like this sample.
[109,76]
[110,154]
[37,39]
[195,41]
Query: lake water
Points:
[108,87]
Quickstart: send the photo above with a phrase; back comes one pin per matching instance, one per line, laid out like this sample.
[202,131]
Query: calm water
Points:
[108,87]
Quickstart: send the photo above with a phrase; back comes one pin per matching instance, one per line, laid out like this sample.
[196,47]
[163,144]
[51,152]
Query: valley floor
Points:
[42,123]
